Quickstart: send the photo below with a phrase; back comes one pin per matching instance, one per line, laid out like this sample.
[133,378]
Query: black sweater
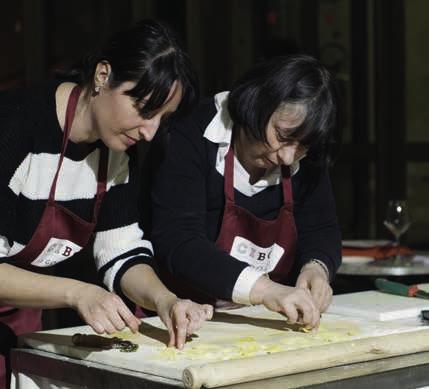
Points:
[188,203]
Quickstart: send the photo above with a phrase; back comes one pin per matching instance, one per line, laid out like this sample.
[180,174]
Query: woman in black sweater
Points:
[243,207]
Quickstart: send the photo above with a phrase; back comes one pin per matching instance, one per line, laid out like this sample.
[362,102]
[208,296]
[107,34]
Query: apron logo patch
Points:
[262,258]
[57,250]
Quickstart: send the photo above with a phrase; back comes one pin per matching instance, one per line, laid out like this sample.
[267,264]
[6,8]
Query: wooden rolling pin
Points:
[229,372]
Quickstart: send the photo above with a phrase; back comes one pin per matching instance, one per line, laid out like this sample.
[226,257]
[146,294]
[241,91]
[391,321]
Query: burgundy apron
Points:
[267,245]
[59,234]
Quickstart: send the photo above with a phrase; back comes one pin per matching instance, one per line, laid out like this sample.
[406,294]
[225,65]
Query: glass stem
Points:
[397,245]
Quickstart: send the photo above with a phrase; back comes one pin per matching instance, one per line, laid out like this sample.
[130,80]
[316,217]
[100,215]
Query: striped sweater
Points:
[30,143]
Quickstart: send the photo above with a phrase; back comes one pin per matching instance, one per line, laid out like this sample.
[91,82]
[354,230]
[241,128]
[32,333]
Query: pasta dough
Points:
[260,341]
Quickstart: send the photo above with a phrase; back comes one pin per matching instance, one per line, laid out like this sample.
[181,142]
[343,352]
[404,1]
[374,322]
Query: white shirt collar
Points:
[219,131]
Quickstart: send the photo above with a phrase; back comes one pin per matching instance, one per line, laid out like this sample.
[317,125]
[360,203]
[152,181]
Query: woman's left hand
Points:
[314,278]
[182,318]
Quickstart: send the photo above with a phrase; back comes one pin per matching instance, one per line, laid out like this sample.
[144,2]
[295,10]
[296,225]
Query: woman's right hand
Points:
[102,310]
[295,303]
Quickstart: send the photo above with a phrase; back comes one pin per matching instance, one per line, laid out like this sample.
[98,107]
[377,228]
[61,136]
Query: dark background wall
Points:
[376,49]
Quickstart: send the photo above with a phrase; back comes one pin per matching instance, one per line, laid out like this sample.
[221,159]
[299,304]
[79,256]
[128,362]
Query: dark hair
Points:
[149,54]
[292,79]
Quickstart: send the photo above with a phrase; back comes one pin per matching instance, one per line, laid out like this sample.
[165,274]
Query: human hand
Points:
[314,279]
[182,318]
[294,302]
[102,310]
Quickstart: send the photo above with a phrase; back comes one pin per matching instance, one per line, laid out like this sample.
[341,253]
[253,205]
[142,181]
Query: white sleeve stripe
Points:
[113,243]
[110,275]
[131,254]
[4,246]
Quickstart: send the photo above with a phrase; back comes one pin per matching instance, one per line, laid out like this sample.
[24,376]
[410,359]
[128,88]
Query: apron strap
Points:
[287,186]
[101,180]
[229,175]
[103,161]
[71,109]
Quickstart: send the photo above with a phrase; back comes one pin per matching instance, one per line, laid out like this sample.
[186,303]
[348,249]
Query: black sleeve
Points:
[317,226]
[179,216]
[15,144]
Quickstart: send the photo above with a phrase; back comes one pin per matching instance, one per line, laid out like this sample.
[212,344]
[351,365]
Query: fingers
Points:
[302,281]
[291,312]
[197,314]
[308,316]
[306,306]
[208,310]
[96,326]
[180,323]
[301,308]
[319,287]
[171,333]
[106,324]
[105,312]
[326,302]
[194,322]
[296,303]
[186,318]
[321,292]
[97,321]
[131,321]
[118,316]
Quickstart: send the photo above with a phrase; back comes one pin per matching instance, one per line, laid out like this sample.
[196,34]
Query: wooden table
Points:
[408,371]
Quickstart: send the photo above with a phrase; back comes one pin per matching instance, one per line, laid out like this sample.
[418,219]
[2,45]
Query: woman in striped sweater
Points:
[68,157]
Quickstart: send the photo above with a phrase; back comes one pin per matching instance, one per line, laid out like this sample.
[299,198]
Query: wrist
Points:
[73,292]
[258,290]
[164,299]
[319,265]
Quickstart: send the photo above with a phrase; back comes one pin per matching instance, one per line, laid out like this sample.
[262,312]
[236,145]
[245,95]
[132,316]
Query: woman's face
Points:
[117,117]
[280,149]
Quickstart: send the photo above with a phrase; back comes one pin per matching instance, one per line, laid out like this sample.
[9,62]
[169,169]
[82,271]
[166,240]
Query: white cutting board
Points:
[376,305]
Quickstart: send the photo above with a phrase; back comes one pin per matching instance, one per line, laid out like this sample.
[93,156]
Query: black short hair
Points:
[149,54]
[292,79]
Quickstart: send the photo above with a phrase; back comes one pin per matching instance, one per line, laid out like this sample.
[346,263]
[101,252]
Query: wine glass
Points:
[397,221]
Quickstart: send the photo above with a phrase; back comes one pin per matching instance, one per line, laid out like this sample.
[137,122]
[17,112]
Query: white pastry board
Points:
[376,305]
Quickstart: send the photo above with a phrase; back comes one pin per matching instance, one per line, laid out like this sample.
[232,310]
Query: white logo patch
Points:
[262,258]
[57,250]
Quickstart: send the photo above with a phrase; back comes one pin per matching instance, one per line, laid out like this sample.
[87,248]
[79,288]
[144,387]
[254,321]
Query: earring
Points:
[97,89]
